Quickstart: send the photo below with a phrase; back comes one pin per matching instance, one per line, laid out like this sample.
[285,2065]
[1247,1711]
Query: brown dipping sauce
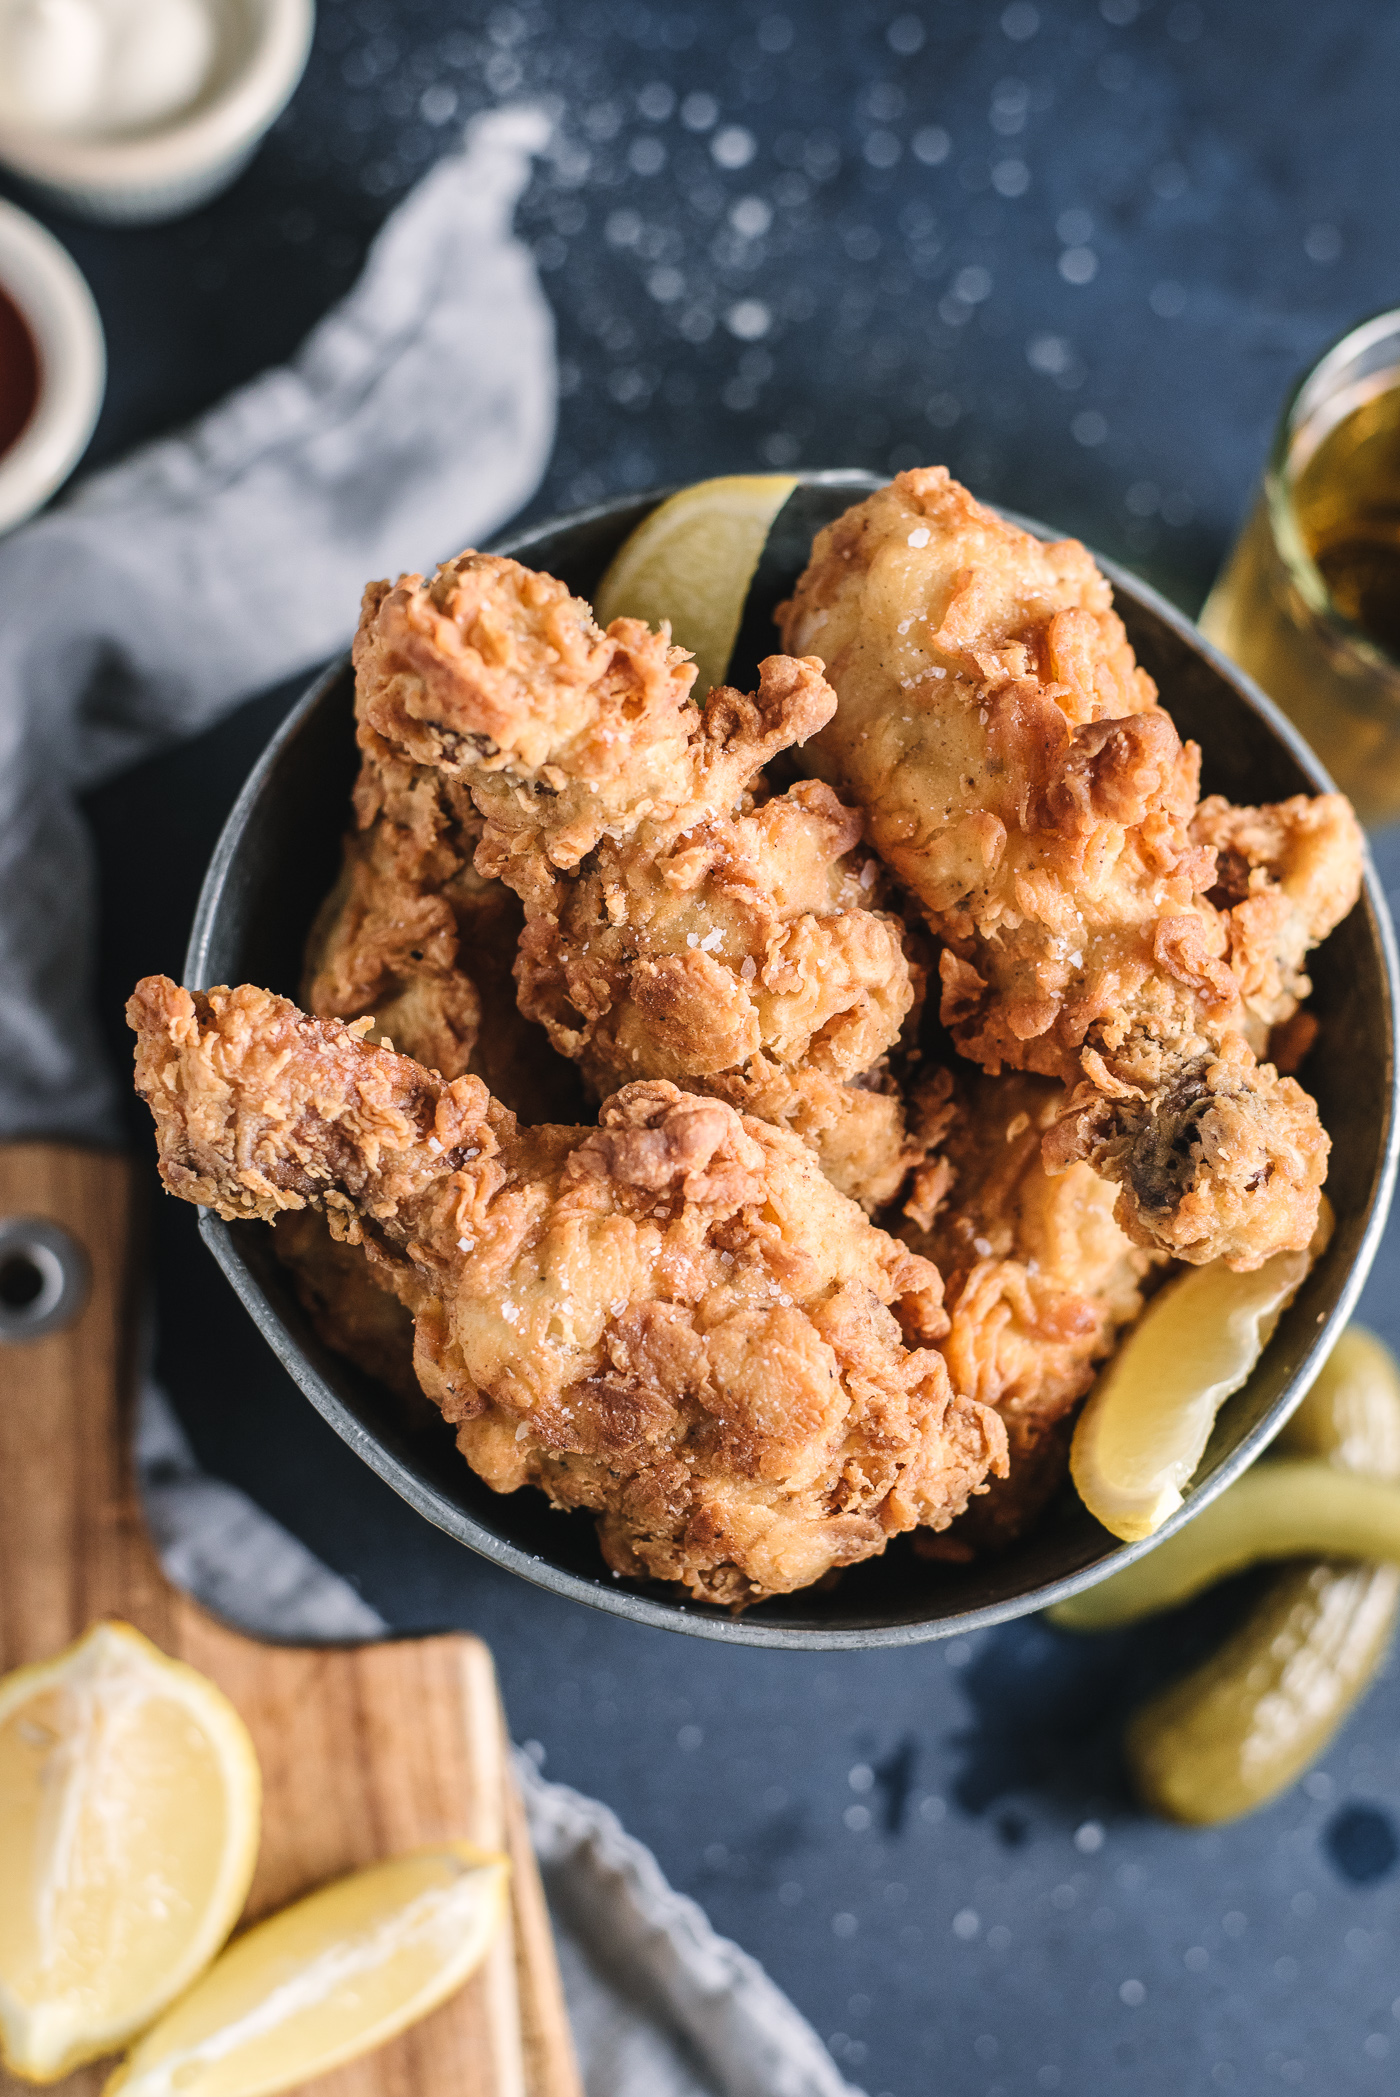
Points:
[19,372]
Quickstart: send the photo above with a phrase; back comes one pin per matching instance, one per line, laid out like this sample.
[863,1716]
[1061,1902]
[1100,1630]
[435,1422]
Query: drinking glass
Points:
[1309,601]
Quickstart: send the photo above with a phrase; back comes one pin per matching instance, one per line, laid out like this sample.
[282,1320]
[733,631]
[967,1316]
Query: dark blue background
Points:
[1078,252]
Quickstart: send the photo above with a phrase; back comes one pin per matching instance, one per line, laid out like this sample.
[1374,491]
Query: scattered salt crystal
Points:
[433,1144]
[710,941]
[466,1245]
[867,874]
[748,968]
[920,537]
[982,1247]
[692,939]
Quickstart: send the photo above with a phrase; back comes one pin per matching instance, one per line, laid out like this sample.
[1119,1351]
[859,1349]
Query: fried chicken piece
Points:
[680,921]
[352,1313]
[495,676]
[1018,775]
[672,1318]
[1039,1281]
[1285,875]
[387,941]
[727,944]
[415,937]
[393,941]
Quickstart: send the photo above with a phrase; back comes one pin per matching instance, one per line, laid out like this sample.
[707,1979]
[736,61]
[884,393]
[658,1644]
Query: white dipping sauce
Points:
[89,68]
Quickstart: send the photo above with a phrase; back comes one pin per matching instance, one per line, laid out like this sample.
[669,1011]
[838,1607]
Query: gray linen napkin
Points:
[417,417]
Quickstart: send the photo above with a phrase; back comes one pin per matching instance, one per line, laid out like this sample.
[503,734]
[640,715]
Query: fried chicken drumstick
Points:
[680,921]
[1018,775]
[671,1318]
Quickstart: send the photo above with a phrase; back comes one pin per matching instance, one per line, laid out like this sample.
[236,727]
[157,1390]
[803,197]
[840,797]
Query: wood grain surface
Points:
[365,1750]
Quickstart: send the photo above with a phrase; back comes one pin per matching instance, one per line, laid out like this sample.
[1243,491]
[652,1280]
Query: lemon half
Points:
[326,1979]
[691,562]
[129,1810]
[1146,1425]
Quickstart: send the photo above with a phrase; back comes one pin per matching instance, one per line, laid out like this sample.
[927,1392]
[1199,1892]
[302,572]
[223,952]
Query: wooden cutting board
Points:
[365,1750]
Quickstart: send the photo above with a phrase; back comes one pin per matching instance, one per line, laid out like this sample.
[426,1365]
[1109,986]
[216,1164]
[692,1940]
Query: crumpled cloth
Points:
[659,2002]
[416,419]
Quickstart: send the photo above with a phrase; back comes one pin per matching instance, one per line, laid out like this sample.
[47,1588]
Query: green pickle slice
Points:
[1245,1724]
[1248,1721]
[1277,1510]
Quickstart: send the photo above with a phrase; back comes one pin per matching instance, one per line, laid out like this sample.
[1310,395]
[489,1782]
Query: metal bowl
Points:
[277,858]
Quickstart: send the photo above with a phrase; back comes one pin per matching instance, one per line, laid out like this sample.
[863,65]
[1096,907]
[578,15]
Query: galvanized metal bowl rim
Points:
[751,1629]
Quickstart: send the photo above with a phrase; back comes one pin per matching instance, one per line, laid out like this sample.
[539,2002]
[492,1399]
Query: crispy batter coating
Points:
[388,940]
[1039,1281]
[1285,875]
[414,937]
[496,676]
[729,945]
[671,1318]
[679,921]
[1017,773]
[1215,1154]
[355,1314]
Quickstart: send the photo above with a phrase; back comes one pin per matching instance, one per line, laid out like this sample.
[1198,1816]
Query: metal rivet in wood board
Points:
[44,1277]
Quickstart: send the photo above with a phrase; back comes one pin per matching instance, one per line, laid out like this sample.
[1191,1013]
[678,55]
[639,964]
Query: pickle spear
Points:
[1246,1723]
[1278,1510]
[1351,1416]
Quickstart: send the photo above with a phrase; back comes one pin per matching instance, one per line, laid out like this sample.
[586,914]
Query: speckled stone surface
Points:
[1078,252]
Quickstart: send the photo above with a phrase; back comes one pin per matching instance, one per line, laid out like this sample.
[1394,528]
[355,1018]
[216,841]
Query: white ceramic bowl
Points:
[173,168]
[50,291]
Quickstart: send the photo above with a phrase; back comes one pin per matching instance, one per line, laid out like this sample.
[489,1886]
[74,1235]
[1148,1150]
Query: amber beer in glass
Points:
[1309,601]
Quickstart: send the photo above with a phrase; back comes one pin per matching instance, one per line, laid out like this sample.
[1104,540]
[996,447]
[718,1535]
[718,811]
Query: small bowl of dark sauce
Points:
[53,365]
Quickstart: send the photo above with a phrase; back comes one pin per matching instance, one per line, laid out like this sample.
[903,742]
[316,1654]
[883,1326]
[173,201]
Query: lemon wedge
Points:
[691,561]
[1146,1425]
[326,1979]
[129,1809]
